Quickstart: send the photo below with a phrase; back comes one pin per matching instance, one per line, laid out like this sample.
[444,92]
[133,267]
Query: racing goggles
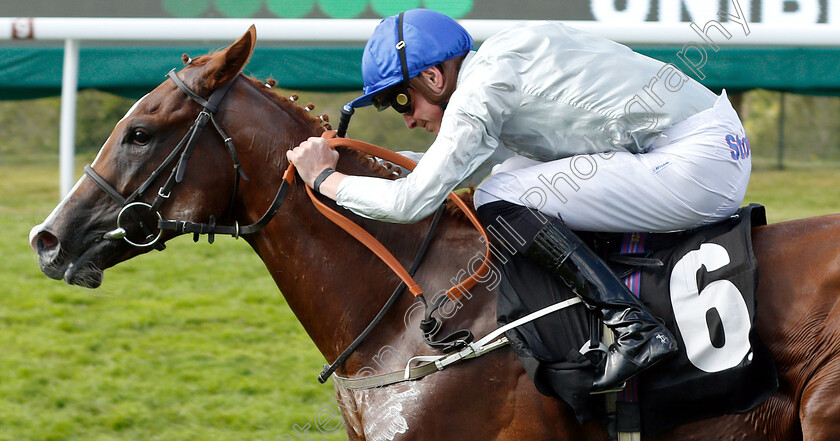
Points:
[397,97]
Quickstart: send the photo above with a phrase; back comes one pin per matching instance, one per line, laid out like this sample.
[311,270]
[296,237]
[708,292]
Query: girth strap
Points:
[434,363]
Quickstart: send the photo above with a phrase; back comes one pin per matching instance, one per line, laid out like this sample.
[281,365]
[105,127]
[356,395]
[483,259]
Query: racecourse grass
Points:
[192,343]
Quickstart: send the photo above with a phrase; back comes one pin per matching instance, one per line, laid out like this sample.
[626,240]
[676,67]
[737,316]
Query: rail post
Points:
[67,131]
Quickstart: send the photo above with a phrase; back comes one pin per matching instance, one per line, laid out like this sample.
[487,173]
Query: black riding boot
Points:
[640,339]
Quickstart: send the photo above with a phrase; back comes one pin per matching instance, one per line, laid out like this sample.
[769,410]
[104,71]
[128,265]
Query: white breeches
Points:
[695,173]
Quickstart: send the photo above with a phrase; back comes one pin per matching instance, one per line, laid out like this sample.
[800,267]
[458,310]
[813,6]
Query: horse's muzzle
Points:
[56,264]
[48,248]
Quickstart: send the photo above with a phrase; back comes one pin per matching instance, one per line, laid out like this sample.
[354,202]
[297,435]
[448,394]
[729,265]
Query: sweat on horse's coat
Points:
[385,421]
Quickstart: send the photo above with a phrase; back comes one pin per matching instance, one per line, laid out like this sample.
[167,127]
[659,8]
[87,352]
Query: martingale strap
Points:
[374,245]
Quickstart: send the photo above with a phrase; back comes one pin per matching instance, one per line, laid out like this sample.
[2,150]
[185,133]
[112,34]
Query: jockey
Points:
[606,140]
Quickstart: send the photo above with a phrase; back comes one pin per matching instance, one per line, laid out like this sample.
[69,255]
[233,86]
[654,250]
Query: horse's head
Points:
[141,173]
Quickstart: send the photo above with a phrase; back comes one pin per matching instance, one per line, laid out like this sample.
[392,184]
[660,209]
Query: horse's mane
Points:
[301,113]
[376,168]
[286,103]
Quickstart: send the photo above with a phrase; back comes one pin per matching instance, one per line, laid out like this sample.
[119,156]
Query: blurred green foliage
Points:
[811,128]
[30,128]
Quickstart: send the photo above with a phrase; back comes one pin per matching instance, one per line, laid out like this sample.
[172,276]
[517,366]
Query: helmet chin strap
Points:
[452,65]
[401,53]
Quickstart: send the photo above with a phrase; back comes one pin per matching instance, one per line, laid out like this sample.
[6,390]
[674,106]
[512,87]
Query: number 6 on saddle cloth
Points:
[704,291]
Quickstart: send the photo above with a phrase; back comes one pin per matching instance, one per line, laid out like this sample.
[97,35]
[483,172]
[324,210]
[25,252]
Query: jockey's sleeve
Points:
[468,136]
[499,155]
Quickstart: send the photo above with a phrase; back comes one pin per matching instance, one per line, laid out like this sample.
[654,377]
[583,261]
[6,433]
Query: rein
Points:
[374,245]
[456,340]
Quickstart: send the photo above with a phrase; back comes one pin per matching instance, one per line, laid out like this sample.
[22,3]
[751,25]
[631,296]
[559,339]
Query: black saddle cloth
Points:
[704,290]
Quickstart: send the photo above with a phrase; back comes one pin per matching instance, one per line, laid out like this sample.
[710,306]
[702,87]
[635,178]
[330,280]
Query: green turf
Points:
[192,343]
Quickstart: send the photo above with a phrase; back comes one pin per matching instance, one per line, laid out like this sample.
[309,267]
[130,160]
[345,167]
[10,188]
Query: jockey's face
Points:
[423,113]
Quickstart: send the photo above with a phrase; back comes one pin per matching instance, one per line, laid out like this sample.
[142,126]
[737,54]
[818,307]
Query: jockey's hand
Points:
[312,157]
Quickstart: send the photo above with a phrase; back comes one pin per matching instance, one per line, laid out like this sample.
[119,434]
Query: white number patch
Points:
[691,308]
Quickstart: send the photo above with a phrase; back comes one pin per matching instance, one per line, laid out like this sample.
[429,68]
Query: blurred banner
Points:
[618,11]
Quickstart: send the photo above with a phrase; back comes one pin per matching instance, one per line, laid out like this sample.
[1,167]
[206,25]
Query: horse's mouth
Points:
[85,274]
[82,270]
[87,269]
[81,273]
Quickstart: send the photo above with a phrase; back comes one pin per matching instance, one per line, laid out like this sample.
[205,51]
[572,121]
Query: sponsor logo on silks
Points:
[660,167]
[739,147]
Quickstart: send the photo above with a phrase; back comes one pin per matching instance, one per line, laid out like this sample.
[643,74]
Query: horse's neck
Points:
[332,283]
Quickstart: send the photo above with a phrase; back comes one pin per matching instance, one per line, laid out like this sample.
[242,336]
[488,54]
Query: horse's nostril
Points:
[48,248]
[45,241]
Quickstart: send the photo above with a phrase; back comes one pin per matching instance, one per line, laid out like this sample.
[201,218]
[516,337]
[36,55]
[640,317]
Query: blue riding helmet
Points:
[430,39]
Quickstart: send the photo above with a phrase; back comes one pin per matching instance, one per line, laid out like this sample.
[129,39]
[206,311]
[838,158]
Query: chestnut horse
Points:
[335,286]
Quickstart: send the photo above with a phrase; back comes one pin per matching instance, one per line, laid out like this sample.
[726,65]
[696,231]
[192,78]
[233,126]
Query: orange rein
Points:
[371,242]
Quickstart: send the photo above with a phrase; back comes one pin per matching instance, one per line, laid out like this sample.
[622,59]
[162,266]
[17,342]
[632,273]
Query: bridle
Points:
[184,148]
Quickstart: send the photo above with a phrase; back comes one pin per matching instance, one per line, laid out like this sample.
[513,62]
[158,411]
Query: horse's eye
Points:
[140,137]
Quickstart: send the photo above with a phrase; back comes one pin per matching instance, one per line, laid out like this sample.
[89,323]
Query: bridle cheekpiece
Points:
[184,148]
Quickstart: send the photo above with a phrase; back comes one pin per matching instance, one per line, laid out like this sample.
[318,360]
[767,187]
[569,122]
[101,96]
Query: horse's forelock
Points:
[195,76]
[202,59]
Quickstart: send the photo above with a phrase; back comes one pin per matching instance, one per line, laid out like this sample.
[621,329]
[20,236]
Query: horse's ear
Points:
[227,63]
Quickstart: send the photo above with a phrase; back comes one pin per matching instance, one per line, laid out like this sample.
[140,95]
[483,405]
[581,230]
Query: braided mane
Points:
[301,113]
[376,168]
